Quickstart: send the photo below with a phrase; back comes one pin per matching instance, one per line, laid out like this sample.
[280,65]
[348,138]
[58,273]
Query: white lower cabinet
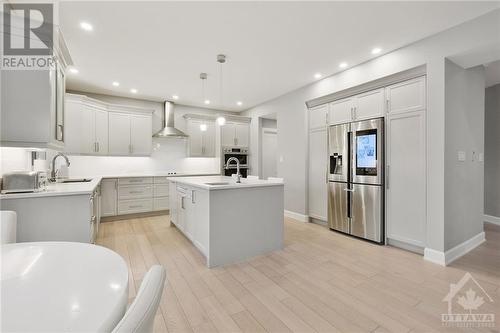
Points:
[134,195]
[172,202]
[160,203]
[109,197]
[190,215]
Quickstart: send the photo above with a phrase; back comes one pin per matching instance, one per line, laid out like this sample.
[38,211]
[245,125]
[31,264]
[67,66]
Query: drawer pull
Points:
[135,206]
[136,192]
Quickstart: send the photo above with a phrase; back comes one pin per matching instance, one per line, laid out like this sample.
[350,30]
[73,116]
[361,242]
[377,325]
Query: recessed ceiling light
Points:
[376,50]
[86,26]
[115,83]
[203,127]
[175,97]
[317,76]
[343,65]
[207,101]
[73,70]
[133,91]
[239,103]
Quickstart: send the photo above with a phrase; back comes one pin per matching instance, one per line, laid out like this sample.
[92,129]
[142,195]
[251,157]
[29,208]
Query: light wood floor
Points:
[320,282]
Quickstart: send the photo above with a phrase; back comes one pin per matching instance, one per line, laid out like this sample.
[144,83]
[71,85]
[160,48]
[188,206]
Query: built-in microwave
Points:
[241,153]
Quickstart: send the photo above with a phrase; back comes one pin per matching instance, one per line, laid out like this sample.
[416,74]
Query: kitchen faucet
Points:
[238,175]
[53,171]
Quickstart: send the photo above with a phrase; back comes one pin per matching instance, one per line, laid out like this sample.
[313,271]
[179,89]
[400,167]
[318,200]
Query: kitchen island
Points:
[228,221]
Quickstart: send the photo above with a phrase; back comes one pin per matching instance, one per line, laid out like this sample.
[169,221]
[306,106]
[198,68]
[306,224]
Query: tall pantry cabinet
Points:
[403,105]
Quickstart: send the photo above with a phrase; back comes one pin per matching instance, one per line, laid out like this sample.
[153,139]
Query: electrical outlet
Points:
[461,156]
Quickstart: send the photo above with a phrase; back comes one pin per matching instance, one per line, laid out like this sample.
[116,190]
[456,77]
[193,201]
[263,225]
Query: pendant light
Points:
[221,59]
[203,77]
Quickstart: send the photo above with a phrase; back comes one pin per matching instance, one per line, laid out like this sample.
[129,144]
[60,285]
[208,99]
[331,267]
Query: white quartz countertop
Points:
[57,189]
[223,183]
[152,174]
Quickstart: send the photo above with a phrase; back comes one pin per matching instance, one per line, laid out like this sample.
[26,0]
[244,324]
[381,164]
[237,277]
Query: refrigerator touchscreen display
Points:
[366,152]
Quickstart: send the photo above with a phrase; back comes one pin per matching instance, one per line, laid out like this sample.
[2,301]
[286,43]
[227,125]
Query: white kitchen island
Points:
[228,222]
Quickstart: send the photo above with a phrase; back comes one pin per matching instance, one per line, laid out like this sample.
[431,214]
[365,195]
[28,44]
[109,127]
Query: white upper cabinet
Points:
[141,135]
[242,134]
[406,96]
[119,133]
[97,128]
[32,101]
[201,137]
[86,130]
[317,117]
[101,126]
[228,135]
[367,105]
[341,111]
[235,134]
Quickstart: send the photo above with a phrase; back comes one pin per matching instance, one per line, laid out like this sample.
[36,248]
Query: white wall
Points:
[492,151]
[464,131]
[482,32]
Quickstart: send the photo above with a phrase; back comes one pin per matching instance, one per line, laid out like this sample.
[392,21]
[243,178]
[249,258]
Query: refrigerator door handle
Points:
[349,189]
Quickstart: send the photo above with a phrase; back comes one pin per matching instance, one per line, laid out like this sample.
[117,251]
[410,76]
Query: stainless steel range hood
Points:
[168,130]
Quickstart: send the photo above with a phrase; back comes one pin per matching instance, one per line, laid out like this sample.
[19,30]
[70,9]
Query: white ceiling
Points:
[272,48]
[492,73]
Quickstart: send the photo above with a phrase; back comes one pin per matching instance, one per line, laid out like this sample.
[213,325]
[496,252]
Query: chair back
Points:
[140,316]
[8,222]
[275,179]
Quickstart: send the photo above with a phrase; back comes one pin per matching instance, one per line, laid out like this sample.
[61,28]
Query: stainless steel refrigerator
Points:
[356,179]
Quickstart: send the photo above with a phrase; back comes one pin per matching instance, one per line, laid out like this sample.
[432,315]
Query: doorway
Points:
[269,146]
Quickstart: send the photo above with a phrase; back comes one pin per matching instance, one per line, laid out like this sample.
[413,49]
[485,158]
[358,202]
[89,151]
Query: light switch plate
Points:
[481,157]
[461,156]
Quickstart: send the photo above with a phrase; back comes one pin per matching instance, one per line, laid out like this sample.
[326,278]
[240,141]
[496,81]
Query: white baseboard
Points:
[491,219]
[434,256]
[296,216]
[446,258]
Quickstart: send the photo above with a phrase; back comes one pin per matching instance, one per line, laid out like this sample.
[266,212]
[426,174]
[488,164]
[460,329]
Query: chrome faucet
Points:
[53,171]
[238,174]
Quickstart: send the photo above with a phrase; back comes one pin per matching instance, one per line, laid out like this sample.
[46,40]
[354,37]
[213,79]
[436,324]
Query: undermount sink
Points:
[75,180]
[217,183]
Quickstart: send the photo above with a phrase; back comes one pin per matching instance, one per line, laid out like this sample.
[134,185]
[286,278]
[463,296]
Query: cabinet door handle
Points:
[192,196]
[98,148]
[354,110]
[60,135]
[182,202]
[387,105]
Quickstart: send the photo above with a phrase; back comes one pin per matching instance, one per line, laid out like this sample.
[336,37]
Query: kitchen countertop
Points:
[58,189]
[201,182]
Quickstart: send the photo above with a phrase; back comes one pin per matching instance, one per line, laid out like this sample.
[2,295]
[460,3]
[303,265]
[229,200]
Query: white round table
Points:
[61,287]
